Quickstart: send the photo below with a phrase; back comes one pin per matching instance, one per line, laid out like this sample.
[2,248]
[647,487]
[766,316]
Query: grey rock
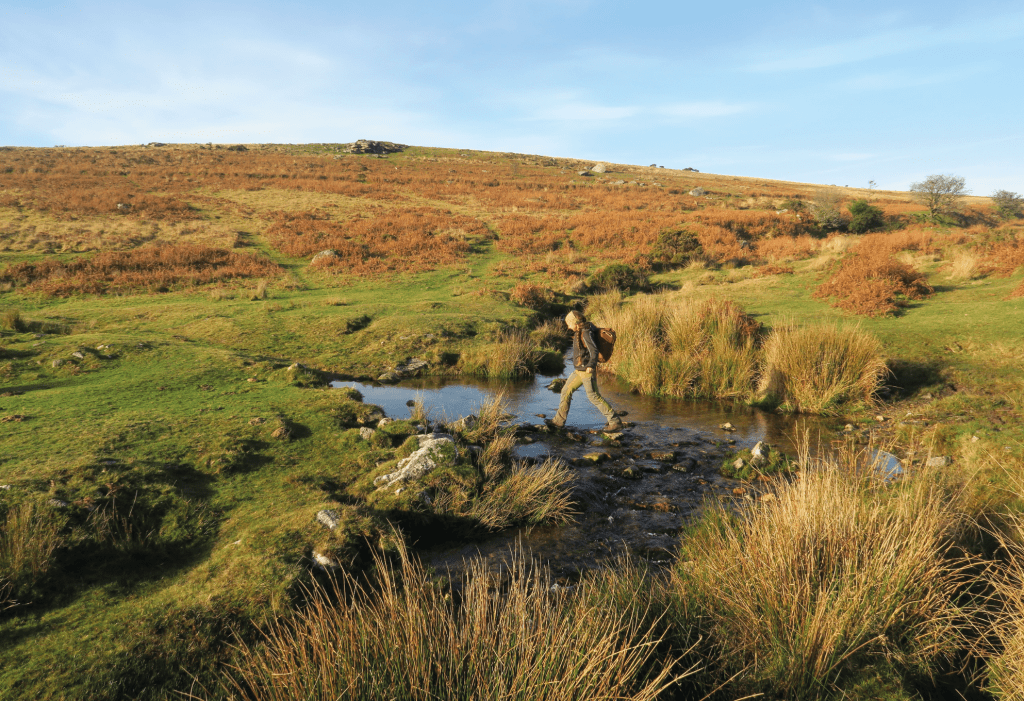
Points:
[79,355]
[556,385]
[329,518]
[404,370]
[727,426]
[384,422]
[379,148]
[57,363]
[466,423]
[738,464]
[421,462]
[599,168]
[939,461]
[691,170]
[329,254]
[325,560]
[760,454]
[597,457]
[57,503]
[366,433]
[698,192]
[584,173]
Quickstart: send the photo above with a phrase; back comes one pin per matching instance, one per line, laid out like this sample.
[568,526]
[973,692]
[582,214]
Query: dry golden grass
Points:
[819,369]
[832,573]
[29,542]
[406,637]
[678,346]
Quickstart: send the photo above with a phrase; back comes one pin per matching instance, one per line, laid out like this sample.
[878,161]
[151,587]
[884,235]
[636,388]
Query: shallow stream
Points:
[632,501]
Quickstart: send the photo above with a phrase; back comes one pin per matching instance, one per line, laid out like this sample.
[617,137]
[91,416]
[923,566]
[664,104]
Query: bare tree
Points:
[941,194]
[825,209]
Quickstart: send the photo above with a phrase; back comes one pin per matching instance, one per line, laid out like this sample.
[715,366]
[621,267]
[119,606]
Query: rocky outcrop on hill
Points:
[375,147]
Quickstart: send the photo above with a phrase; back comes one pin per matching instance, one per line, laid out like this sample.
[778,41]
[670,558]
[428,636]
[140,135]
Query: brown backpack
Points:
[605,340]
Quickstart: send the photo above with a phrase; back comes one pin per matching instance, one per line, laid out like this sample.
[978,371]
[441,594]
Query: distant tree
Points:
[1009,205]
[825,209]
[941,194]
[865,217]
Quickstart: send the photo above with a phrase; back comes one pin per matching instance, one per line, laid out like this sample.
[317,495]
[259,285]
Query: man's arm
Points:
[588,339]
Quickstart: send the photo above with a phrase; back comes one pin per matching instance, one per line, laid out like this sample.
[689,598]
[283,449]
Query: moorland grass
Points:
[407,638]
[174,397]
[821,369]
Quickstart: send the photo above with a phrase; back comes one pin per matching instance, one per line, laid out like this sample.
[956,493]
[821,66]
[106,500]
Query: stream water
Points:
[632,501]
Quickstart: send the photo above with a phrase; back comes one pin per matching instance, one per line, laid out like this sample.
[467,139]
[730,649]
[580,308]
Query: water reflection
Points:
[665,420]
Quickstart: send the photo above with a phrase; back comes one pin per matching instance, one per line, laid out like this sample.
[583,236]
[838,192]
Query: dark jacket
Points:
[584,348]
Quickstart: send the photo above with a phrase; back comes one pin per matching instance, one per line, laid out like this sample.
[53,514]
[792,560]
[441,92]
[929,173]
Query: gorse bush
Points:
[675,247]
[820,369]
[618,276]
[864,217]
[407,638]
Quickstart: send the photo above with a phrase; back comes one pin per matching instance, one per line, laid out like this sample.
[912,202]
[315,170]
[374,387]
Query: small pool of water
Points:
[664,420]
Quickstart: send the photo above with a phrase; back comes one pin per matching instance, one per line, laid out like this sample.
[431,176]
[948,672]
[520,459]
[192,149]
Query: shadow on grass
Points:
[910,376]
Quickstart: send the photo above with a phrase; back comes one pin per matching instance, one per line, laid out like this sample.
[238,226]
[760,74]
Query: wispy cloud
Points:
[889,43]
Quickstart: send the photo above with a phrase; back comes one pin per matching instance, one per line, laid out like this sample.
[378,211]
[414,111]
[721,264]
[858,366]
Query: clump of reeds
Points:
[1006,665]
[11,320]
[836,572]
[29,542]
[683,347]
[820,368]
[510,356]
[406,637]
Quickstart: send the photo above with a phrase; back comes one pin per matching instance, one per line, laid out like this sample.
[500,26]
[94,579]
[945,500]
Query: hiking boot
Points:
[613,426]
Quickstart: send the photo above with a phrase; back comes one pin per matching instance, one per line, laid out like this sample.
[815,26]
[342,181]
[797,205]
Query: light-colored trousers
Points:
[589,382]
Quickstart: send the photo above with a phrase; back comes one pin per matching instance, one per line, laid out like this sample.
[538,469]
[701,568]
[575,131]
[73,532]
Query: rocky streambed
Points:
[635,490]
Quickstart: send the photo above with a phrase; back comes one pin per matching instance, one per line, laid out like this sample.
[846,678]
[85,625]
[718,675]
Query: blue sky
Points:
[883,91]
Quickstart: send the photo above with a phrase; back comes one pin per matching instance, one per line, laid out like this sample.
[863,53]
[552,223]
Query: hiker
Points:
[584,360]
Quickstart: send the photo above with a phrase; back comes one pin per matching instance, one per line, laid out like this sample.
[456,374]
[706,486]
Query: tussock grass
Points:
[11,320]
[1006,663]
[527,494]
[819,369]
[965,264]
[835,573]
[509,357]
[29,542]
[681,347]
[407,638]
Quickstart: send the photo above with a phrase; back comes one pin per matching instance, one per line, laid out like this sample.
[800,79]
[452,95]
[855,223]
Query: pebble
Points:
[727,426]
[329,518]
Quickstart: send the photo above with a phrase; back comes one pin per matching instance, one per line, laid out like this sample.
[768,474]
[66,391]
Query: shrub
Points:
[618,276]
[532,296]
[675,247]
[874,284]
[407,638]
[819,369]
[864,217]
[825,209]
[1009,205]
[11,320]
[835,574]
